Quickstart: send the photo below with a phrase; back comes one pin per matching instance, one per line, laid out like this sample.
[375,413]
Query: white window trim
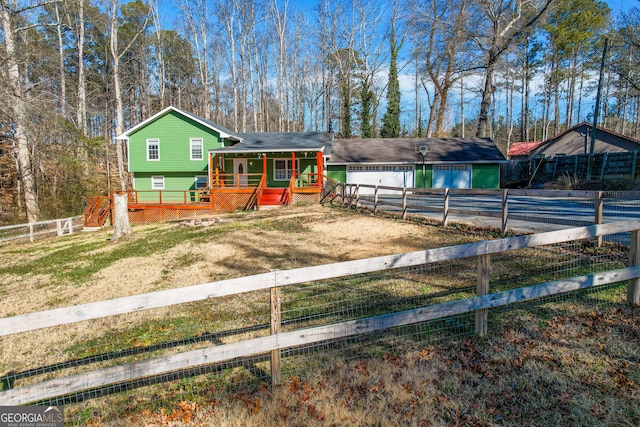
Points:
[192,144]
[153,178]
[152,141]
[288,171]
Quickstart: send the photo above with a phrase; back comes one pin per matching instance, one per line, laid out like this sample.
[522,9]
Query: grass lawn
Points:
[564,361]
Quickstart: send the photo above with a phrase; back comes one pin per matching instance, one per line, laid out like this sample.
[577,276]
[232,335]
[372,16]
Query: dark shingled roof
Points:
[403,150]
[280,142]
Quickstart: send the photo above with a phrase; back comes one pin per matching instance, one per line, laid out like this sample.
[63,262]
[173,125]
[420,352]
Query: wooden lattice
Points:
[150,215]
[306,197]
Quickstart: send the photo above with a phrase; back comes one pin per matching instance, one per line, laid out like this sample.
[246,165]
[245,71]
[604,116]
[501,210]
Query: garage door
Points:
[383,175]
[451,176]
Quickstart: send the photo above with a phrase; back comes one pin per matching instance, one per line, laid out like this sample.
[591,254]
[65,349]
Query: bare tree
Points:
[17,94]
[506,21]
[440,29]
[196,16]
[116,56]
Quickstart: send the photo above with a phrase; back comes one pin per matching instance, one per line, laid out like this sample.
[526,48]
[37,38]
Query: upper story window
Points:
[153,149]
[197,148]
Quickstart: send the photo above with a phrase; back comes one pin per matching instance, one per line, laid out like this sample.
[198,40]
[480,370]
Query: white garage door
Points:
[451,176]
[383,175]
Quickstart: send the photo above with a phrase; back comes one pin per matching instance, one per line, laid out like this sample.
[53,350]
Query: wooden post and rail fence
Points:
[276,281]
[350,195]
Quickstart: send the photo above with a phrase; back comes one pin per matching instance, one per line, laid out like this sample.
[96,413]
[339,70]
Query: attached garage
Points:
[382,175]
[452,176]
[416,163]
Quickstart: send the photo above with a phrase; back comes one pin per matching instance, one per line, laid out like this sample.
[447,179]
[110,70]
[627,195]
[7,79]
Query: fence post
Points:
[404,203]
[276,305]
[482,316]
[31,232]
[375,200]
[598,203]
[505,210]
[604,165]
[357,196]
[59,227]
[633,285]
[445,208]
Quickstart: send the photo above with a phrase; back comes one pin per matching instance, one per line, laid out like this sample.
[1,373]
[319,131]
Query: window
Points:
[157,182]
[201,182]
[196,147]
[153,149]
[283,169]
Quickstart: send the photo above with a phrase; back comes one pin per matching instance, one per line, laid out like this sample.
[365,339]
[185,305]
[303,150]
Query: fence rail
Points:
[572,207]
[274,281]
[31,230]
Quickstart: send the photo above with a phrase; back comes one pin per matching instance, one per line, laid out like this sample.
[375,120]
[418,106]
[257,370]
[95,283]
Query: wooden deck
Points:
[165,205]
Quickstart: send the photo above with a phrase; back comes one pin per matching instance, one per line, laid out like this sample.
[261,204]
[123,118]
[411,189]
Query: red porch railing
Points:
[235,180]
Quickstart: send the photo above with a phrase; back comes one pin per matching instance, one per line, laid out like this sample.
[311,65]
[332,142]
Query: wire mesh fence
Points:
[517,210]
[154,335]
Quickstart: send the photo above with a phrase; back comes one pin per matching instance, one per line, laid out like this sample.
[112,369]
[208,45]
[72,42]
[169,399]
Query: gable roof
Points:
[403,150]
[224,132]
[606,141]
[522,148]
[279,142]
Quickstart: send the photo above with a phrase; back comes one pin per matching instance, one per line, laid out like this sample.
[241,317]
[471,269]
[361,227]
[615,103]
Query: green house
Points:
[178,157]
[168,152]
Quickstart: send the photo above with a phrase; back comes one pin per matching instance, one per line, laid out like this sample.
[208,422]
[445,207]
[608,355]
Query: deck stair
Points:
[97,213]
[273,197]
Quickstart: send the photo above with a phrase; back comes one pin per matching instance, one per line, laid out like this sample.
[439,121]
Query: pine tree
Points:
[391,119]
[366,104]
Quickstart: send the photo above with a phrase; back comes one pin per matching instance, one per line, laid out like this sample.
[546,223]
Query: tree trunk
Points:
[18,115]
[117,92]
[81,115]
[487,93]
[121,224]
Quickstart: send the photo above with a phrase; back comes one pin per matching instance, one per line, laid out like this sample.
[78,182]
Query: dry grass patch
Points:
[521,375]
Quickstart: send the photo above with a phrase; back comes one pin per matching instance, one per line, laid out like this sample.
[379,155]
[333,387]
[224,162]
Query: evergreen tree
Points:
[391,119]
[367,98]
[346,110]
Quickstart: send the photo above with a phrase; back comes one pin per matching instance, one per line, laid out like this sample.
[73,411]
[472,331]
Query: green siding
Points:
[485,176]
[174,132]
[482,176]
[174,185]
[337,173]
[254,165]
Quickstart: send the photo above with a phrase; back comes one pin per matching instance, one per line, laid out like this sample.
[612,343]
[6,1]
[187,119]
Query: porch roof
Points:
[279,142]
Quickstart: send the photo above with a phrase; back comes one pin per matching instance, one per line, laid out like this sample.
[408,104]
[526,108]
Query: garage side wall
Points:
[337,172]
[485,176]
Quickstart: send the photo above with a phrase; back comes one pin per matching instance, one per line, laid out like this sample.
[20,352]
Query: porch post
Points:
[293,165]
[211,157]
[264,167]
[320,167]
